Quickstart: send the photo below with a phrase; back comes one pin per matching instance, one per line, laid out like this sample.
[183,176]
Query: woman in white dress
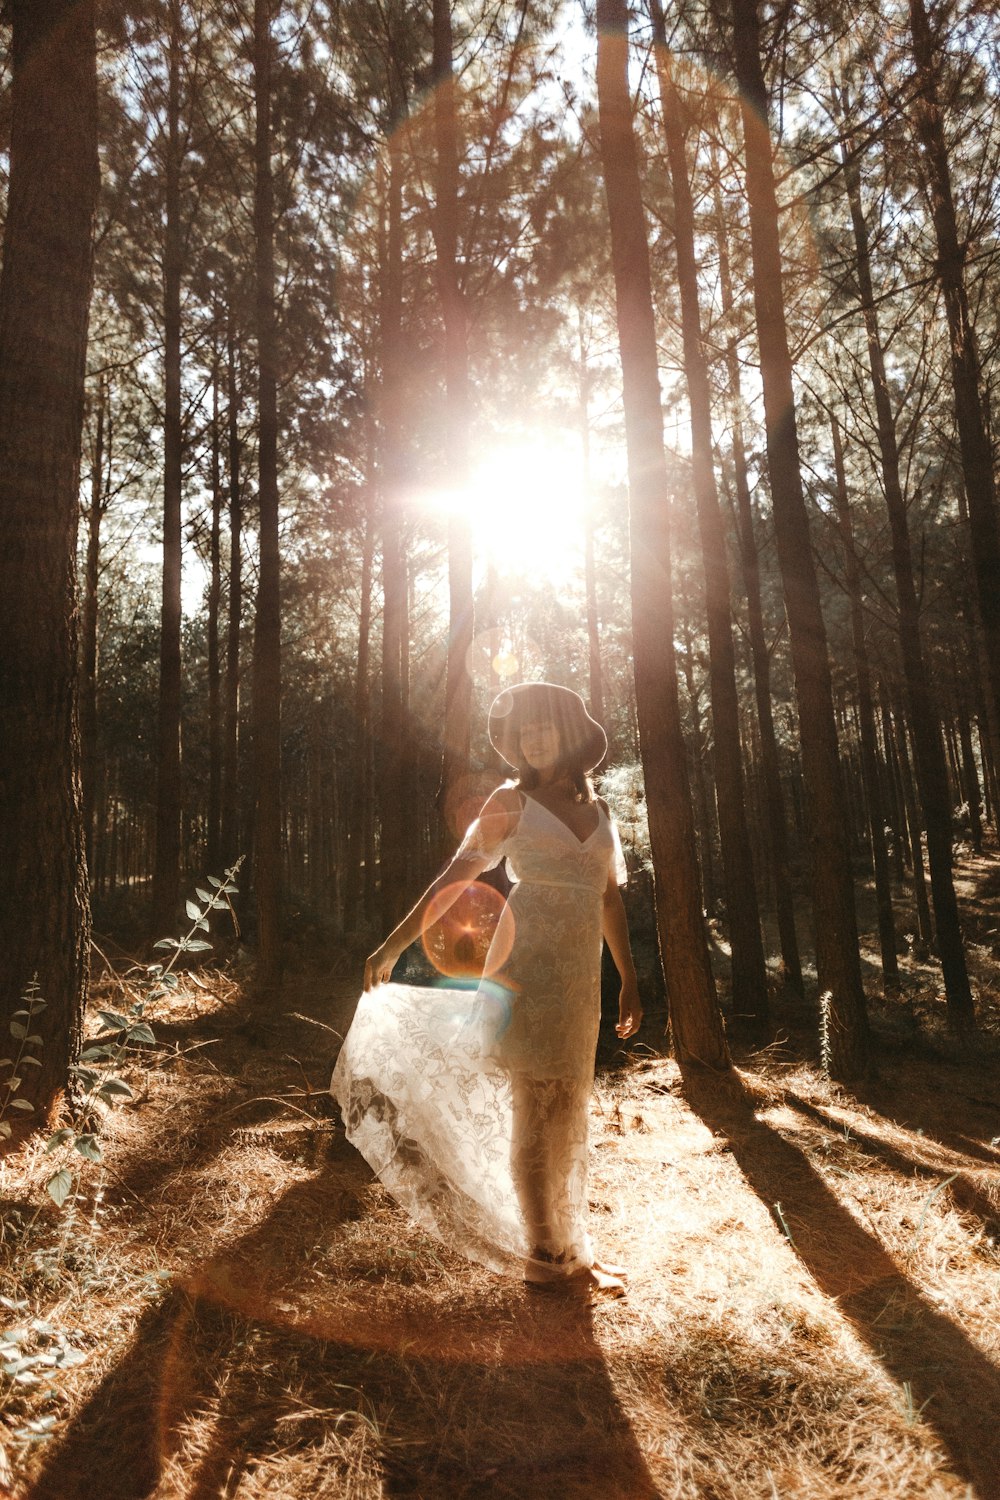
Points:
[472,1105]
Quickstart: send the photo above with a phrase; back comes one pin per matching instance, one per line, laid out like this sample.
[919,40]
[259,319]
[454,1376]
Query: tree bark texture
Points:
[44,302]
[749,976]
[230,831]
[925,720]
[267,622]
[838,962]
[166,871]
[392,750]
[88,637]
[458,683]
[694,1012]
[213,830]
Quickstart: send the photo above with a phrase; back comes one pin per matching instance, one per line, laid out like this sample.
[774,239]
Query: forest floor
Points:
[232,1305]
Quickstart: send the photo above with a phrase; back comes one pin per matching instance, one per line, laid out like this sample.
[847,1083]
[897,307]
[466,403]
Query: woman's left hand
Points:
[629,1010]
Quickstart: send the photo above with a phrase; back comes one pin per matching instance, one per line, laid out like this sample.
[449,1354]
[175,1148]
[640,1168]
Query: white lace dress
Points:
[472,1105]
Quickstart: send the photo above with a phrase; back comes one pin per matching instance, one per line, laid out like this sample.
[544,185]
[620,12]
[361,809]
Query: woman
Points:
[473,1107]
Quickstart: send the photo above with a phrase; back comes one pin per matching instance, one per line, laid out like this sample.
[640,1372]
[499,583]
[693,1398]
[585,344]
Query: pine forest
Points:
[361,360]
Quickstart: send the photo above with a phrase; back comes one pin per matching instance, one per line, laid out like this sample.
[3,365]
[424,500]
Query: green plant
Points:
[95,1072]
[786,1231]
[825,1048]
[23,1057]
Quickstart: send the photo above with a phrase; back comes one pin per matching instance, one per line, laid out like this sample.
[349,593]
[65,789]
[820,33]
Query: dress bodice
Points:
[543,850]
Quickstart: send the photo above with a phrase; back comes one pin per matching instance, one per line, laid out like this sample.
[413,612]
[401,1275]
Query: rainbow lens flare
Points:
[468,931]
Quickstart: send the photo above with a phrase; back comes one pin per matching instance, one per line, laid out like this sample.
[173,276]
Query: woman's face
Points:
[539,743]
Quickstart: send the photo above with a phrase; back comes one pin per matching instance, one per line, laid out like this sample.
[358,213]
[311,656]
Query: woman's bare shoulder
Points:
[506,800]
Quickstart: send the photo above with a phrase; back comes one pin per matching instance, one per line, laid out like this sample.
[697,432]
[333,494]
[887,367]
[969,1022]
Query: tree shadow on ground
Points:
[950,1380]
[964,1193]
[283,1348]
[934,1090]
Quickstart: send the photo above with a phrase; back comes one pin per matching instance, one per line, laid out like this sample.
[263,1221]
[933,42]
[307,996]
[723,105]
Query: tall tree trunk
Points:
[88,634]
[694,1012]
[392,750]
[895,732]
[595,674]
[230,832]
[925,722]
[704,821]
[777,821]
[838,962]
[896,809]
[868,737]
[361,804]
[749,976]
[970,414]
[44,302]
[166,874]
[458,685]
[267,623]
[214,815]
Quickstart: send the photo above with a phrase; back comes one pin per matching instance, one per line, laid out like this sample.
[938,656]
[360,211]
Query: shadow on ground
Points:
[951,1381]
[271,1352]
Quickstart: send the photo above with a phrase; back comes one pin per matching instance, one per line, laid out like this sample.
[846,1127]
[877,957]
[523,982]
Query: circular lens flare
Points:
[468,931]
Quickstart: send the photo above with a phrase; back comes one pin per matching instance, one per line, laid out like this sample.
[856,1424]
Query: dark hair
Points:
[583,788]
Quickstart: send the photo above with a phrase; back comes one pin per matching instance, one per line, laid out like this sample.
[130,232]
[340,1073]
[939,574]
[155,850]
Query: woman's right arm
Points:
[494,826]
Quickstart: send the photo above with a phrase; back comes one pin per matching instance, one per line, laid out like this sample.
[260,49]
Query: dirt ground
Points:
[234,1307]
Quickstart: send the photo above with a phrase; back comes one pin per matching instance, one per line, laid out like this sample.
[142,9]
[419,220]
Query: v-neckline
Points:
[562,823]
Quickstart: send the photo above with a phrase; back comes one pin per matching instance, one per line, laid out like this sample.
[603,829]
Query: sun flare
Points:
[526,505]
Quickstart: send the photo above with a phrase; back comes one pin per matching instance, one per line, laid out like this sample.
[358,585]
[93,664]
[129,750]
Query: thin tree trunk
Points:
[867,733]
[704,822]
[166,874]
[230,833]
[458,685]
[777,820]
[894,790]
[838,963]
[896,728]
[595,674]
[214,816]
[392,751]
[970,771]
[267,624]
[44,300]
[88,635]
[694,1012]
[970,414]
[361,804]
[925,721]
[749,976]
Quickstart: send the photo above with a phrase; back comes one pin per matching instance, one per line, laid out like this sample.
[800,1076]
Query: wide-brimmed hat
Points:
[581,738]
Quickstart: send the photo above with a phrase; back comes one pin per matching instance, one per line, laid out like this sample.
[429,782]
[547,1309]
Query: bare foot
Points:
[611,1270]
[603,1282]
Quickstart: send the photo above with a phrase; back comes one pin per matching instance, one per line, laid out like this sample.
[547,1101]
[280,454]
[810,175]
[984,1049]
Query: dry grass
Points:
[815,1303]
